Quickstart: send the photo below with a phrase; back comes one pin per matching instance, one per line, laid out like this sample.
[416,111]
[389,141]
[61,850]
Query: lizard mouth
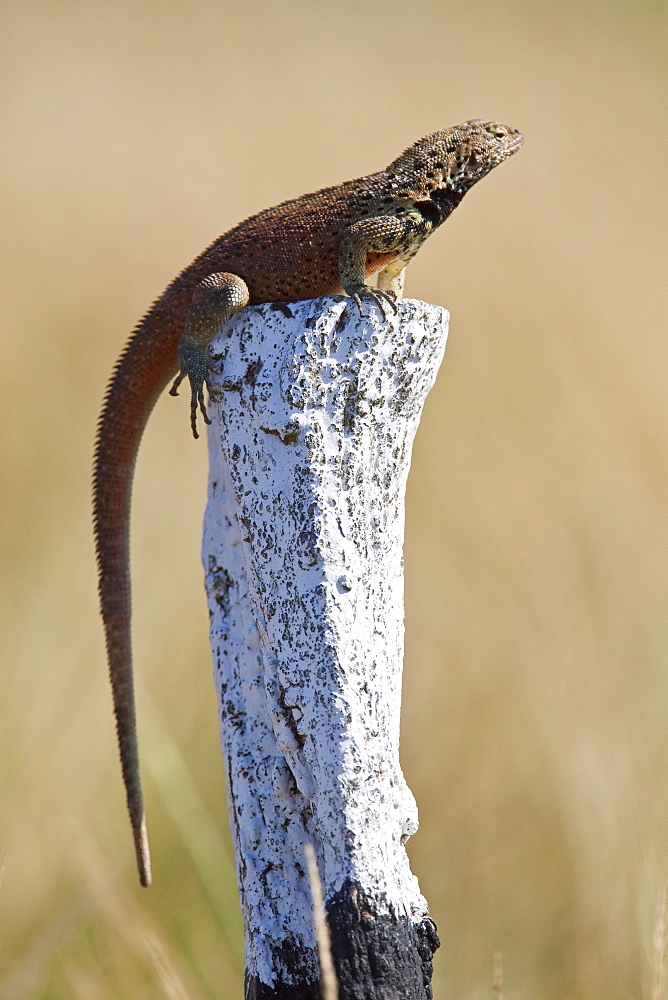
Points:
[515,143]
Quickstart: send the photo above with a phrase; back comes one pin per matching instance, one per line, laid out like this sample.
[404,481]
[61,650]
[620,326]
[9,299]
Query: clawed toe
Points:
[196,367]
[381,296]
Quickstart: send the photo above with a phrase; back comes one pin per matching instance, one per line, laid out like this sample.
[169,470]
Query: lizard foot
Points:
[381,296]
[196,367]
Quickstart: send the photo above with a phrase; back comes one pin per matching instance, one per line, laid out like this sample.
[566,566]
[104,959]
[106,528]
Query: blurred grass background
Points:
[535,718]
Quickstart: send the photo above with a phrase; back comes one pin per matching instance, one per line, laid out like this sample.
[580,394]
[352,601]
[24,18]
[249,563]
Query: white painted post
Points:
[310,450]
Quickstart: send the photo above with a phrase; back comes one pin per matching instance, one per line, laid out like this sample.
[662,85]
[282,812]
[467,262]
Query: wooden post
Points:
[310,450]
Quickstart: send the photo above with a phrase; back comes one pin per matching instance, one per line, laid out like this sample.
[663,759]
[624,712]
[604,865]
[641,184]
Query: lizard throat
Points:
[441,203]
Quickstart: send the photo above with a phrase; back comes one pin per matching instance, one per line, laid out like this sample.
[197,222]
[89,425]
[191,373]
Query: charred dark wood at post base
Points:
[290,961]
[377,956]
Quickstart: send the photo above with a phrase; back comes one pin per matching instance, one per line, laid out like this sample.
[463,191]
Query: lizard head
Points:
[455,158]
[477,148]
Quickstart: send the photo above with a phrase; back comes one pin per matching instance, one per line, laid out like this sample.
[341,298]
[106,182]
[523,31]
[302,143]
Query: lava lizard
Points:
[325,243]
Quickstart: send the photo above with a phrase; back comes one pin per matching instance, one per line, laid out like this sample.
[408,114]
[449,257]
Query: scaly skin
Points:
[323,243]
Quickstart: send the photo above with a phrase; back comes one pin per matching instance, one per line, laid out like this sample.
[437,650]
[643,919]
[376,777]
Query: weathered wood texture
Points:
[310,450]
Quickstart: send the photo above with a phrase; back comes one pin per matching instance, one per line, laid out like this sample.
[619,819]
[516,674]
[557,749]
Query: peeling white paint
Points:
[310,450]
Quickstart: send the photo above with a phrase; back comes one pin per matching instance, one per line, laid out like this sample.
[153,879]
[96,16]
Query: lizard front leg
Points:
[400,235]
[216,299]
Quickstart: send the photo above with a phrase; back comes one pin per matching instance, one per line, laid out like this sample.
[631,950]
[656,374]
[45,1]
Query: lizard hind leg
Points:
[216,299]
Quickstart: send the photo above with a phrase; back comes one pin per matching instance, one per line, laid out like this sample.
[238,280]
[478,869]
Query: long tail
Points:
[144,368]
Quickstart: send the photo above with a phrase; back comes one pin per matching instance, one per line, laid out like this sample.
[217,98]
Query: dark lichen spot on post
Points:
[221,581]
[234,716]
[288,711]
[284,308]
[288,435]
[351,405]
[340,324]
[252,372]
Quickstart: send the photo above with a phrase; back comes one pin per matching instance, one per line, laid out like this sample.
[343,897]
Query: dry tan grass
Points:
[497,977]
[536,688]
[329,985]
[657,989]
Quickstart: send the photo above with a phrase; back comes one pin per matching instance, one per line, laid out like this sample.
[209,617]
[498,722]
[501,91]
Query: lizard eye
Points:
[499,132]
